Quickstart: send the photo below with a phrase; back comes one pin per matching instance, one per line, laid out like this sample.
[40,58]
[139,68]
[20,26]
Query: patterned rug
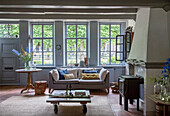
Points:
[37,106]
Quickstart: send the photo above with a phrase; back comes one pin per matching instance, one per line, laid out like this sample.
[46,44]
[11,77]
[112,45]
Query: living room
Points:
[81,36]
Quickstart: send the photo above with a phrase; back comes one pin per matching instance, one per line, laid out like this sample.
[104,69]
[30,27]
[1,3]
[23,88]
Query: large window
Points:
[9,30]
[44,35]
[107,39]
[76,42]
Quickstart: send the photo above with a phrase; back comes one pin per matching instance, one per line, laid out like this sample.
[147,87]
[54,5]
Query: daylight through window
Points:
[107,43]
[9,30]
[76,42]
[43,34]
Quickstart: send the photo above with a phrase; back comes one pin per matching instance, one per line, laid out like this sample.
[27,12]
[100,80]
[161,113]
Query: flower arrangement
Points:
[26,56]
[165,75]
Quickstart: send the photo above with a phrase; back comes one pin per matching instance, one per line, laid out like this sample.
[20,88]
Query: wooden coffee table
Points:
[59,96]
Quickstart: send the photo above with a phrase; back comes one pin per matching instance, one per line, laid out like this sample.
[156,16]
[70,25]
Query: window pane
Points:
[115,30]
[71,58]
[71,31]
[120,48]
[81,30]
[81,44]
[104,58]
[71,45]
[119,56]
[48,31]
[37,51]
[48,58]
[113,58]
[120,39]
[3,30]
[47,44]
[13,30]
[104,30]
[81,56]
[105,44]
[113,44]
[37,30]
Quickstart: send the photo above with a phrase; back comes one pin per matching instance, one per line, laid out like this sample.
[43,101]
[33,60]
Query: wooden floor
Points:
[113,99]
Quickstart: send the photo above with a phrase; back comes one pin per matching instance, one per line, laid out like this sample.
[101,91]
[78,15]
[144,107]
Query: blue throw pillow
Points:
[61,74]
[90,71]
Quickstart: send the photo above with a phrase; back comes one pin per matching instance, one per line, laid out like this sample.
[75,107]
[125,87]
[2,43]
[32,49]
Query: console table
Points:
[29,85]
[157,100]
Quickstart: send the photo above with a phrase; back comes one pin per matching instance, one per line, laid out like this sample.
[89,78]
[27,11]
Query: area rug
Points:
[37,106]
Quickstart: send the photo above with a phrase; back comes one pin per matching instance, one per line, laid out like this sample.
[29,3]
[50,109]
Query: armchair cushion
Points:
[69,76]
[87,82]
[102,74]
[70,81]
[90,76]
[55,74]
[61,74]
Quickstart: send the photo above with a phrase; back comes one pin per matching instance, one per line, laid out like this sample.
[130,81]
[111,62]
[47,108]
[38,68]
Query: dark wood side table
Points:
[157,100]
[29,85]
[129,88]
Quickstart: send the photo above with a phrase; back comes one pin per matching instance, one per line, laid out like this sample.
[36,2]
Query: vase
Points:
[164,93]
[27,65]
[157,89]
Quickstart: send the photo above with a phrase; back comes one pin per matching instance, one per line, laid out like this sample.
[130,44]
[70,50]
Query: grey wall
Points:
[59,35]
[60,54]
[168,22]
[93,43]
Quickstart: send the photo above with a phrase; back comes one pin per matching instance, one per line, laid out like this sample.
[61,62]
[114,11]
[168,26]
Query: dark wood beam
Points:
[150,3]
[61,16]
[117,10]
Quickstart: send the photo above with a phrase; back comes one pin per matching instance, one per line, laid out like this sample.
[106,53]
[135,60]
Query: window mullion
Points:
[8,31]
[42,45]
[110,44]
[76,44]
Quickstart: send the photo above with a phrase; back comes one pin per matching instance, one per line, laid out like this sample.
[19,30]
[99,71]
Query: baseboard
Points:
[10,84]
[150,113]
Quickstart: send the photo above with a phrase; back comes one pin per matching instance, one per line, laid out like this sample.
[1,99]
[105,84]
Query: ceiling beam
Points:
[149,3]
[120,10]
[65,16]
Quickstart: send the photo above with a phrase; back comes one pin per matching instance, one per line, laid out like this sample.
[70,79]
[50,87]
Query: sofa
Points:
[78,82]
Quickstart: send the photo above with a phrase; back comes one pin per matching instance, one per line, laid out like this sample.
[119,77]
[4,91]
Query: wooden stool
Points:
[40,87]
[115,87]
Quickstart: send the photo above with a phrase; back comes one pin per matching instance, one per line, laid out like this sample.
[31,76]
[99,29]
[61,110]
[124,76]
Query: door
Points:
[8,61]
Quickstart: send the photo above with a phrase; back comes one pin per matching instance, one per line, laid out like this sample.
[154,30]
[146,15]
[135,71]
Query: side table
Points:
[40,87]
[29,85]
[157,100]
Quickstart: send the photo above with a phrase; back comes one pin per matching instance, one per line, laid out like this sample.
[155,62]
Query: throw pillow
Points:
[55,74]
[90,71]
[102,74]
[73,71]
[61,74]
[90,76]
[69,76]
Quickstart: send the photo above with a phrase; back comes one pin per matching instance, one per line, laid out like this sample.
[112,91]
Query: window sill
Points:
[114,66]
[46,67]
